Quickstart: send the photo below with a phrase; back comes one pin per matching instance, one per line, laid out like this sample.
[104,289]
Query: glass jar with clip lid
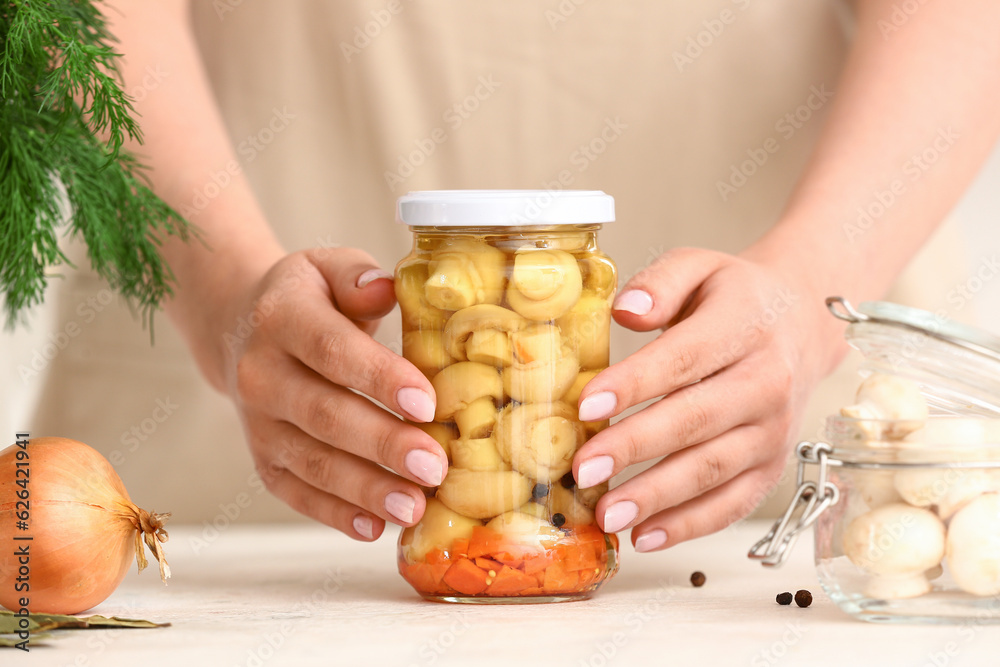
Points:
[906,500]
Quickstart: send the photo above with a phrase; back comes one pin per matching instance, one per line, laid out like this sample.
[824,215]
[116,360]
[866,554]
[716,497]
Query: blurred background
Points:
[177,444]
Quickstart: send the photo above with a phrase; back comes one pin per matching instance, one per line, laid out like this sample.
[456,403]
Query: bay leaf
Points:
[13,641]
[10,623]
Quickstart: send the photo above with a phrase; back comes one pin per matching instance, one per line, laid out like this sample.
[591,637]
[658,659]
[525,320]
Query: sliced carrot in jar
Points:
[580,558]
[483,542]
[425,578]
[559,580]
[465,577]
[510,581]
[537,563]
[488,564]
[459,547]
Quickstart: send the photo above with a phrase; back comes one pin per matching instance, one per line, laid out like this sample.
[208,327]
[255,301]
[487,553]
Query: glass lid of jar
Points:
[956,366]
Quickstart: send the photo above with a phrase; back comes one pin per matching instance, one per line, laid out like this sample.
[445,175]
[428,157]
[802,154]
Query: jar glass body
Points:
[508,323]
[915,533]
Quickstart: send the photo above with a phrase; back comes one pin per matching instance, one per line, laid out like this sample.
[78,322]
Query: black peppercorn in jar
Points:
[506,307]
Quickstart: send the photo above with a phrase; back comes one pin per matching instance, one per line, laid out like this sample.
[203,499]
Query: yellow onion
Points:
[83,526]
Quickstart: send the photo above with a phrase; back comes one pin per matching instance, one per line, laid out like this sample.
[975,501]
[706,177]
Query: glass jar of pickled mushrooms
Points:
[906,500]
[506,308]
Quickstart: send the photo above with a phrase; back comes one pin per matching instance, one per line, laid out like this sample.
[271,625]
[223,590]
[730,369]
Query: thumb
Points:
[657,295]
[361,289]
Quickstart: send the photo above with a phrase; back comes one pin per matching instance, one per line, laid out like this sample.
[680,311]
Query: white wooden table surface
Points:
[305,595]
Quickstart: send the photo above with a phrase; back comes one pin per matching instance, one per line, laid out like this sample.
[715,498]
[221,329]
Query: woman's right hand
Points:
[294,351]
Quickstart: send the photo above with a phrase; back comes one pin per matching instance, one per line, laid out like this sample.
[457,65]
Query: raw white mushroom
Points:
[864,490]
[974,546]
[886,397]
[895,540]
[947,489]
[889,587]
[875,487]
[943,431]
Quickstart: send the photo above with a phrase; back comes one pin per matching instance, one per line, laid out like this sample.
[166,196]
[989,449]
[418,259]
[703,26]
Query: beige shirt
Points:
[696,115]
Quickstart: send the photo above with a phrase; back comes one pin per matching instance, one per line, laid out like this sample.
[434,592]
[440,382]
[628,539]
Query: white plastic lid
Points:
[504,208]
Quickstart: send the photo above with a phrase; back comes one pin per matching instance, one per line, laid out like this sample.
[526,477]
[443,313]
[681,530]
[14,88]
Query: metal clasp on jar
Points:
[814,497]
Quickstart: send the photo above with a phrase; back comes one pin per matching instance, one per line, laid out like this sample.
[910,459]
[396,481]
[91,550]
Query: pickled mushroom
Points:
[587,329]
[443,433]
[572,395]
[438,528]
[541,381]
[489,347]
[543,369]
[539,439]
[544,284]
[426,351]
[565,502]
[538,342]
[483,495]
[599,274]
[477,419]
[459,385]
[417,312]
[478,454]
[470,326]
[464,272]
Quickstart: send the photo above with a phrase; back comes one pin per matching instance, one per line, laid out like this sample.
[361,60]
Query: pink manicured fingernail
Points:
[595,471]
[400,506]
[370,275]
[634,301]
[654,539]
[424,466]
[620,515]
[416,403]
[598,406]
[364,527]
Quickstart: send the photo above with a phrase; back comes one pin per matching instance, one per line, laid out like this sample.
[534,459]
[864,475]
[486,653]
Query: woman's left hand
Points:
[742,347]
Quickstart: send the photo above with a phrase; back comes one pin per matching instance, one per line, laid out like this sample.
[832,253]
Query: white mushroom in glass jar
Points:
[876,487]
[882,398]
[539,439]
[463,272]
[526,530]
[479,454]
[974,546]
[425,349]
[897,543]
[543,368]
[484,494]
[480,333]
[438,528]
[544,284]
[467,392]
[946,489]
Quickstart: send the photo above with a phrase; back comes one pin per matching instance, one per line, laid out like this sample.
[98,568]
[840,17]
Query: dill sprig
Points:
[63,121]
